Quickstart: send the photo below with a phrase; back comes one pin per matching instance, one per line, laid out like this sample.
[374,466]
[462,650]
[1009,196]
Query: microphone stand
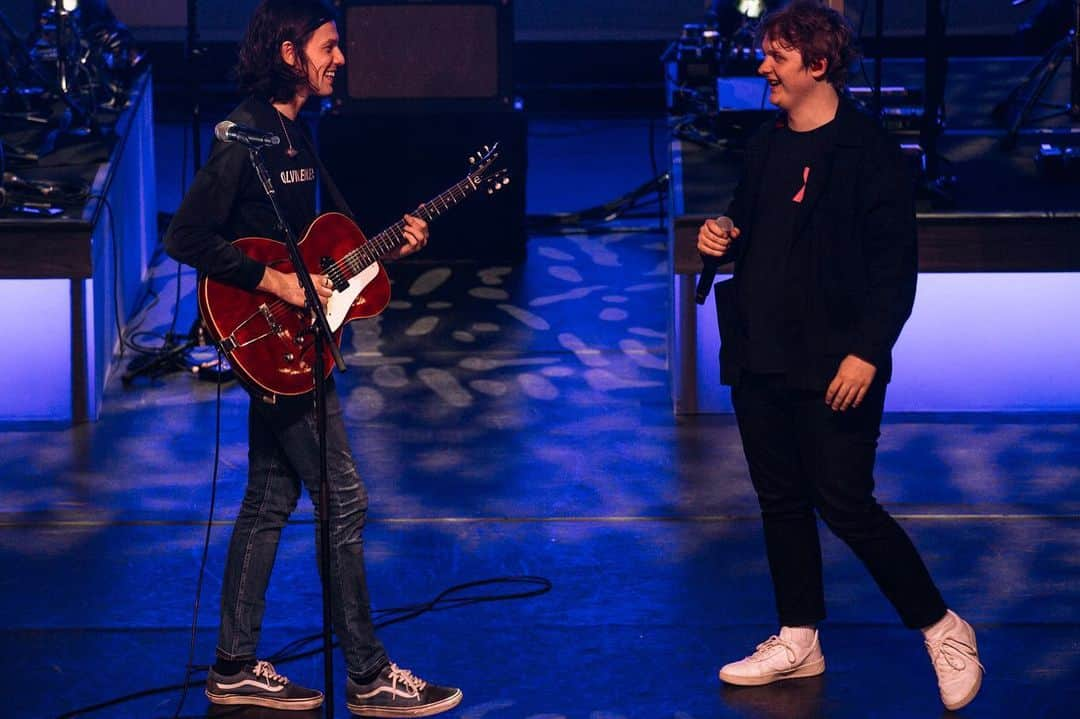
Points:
[324,338]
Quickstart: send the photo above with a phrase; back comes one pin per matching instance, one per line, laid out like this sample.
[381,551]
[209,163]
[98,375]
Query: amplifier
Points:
[442,53]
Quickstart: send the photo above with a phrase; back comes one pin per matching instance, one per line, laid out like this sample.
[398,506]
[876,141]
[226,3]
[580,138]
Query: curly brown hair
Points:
[818,33]
[261,71]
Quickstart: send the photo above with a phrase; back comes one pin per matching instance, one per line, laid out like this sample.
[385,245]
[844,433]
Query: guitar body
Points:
[271,343]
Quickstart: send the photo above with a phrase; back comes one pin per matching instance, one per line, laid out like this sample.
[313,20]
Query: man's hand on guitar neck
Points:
[416,234]
[287,286]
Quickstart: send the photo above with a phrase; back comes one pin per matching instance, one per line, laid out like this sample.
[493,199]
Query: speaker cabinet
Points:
[387,163]
[427,50]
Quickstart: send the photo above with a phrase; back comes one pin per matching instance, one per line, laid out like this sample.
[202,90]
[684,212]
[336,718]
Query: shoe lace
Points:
[953,653]
[266,670]
[770,644]
[404,676]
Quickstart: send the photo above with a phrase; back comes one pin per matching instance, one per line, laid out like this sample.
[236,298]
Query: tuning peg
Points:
[472,159]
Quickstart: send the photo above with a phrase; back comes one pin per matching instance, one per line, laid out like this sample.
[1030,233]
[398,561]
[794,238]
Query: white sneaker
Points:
[775,659]
[955,657]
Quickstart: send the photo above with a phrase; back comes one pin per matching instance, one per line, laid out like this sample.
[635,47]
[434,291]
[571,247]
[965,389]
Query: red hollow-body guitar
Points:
[269,342]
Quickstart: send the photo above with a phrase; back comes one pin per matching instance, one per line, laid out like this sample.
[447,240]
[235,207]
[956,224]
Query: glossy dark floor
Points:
[517,421]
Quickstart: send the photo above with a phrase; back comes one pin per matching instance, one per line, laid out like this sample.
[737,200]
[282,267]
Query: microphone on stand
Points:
[710,263]
[229,131]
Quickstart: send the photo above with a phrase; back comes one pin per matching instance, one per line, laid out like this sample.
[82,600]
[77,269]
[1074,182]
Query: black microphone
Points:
[710,263]
[229,131]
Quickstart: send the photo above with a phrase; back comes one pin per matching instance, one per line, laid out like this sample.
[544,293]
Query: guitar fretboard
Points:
[393,236]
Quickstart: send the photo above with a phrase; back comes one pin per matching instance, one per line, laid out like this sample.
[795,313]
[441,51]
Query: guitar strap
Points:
[328,182]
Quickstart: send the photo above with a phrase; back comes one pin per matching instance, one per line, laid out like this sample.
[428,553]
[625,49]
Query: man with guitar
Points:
[822,234]
[289,54]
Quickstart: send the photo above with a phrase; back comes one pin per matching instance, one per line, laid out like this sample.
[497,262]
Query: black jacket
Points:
[852,262]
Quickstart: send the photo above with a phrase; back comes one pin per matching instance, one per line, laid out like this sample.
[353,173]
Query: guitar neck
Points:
[393,236]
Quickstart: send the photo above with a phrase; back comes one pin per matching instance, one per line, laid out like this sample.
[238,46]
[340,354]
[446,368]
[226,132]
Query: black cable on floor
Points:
[443,601]
[115,242]
[131,338]
[455,596]
[206,548]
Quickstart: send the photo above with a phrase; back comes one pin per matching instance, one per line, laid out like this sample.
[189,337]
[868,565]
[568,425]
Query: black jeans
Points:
[804,456]
[283,454]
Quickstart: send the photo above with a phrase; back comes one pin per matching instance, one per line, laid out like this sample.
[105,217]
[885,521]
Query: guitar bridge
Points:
[275,326]
[231,343]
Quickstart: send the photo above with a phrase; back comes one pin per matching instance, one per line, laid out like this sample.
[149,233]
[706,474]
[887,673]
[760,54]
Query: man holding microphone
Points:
[822,236]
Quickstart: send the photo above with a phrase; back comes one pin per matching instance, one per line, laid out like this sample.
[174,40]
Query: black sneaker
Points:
[398,693]
[262,686]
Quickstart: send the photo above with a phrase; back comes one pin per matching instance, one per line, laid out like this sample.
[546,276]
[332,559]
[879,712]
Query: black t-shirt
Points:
[226,201]
[793,157]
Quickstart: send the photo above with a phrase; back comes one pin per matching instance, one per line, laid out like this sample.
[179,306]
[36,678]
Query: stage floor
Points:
[518,421]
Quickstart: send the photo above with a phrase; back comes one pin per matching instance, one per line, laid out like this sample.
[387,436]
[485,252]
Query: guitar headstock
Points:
[483,174]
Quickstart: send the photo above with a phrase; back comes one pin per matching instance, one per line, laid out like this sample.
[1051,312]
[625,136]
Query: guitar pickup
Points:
[330,269]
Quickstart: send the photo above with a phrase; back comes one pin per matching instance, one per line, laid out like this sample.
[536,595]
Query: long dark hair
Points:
[261,70]
[818,33]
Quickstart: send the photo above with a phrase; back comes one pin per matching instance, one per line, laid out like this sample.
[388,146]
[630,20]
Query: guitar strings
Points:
[380,243]
[386,241]
[392,237]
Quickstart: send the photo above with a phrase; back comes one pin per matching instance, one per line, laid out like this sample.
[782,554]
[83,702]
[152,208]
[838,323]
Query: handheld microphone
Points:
[709,265]
[229,131]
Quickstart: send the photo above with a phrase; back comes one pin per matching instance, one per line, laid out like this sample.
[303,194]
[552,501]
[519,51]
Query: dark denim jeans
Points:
[283,452]
[805,457]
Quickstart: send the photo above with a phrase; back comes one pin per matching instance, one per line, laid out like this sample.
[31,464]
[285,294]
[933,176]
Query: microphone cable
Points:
[536,586]
[458,595]
[206,547]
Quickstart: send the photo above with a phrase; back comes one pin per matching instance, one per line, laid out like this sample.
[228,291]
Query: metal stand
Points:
[174,355]
[324,339]
[66,35]
[19,57]
[1035,83]
[192,51]
[879,53]
[935,68]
